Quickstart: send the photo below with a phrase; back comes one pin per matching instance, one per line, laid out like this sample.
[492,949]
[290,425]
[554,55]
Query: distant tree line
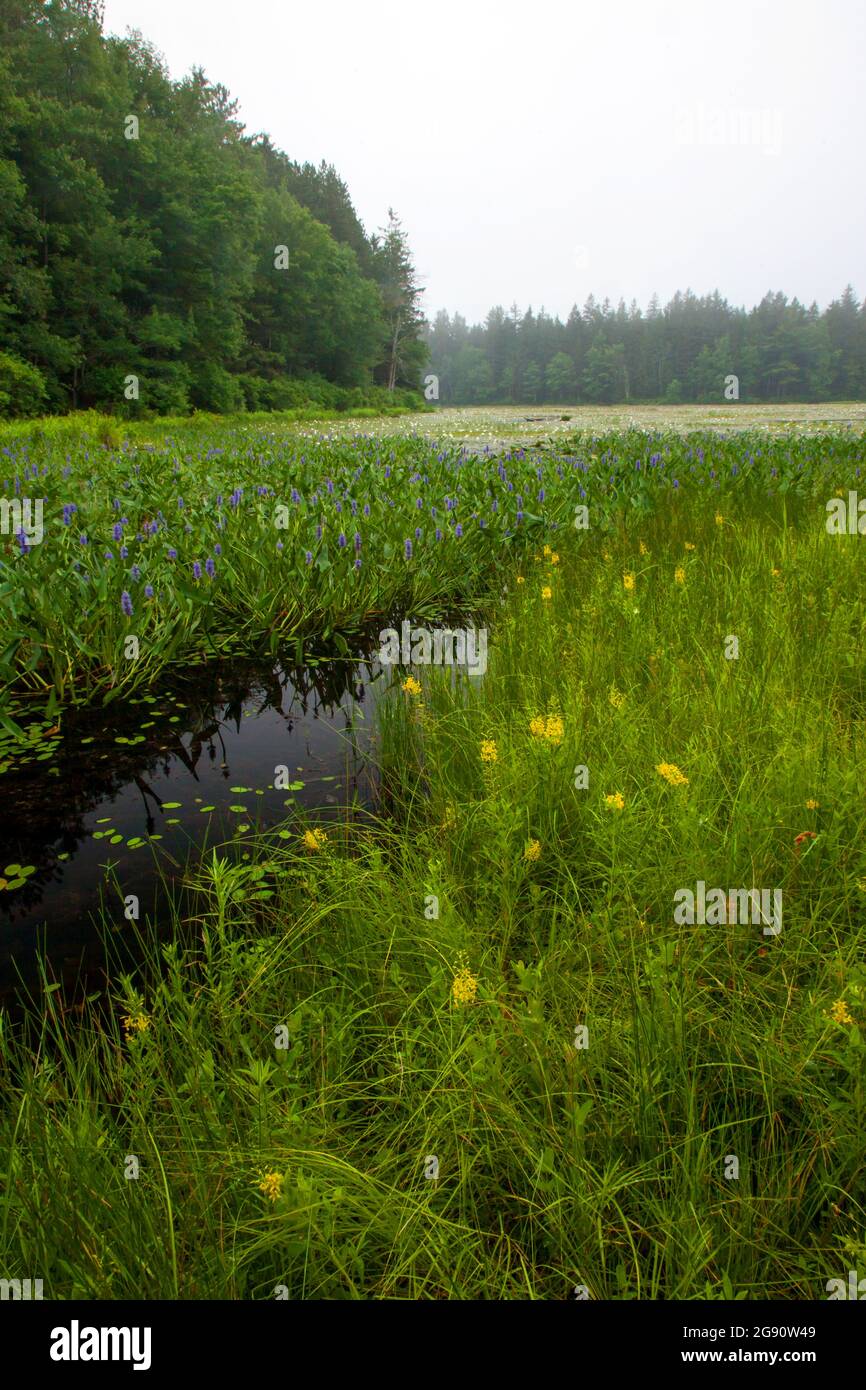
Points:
[687,351]
[155,258]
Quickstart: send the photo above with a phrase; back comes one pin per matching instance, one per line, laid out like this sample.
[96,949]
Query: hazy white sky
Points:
[539,151]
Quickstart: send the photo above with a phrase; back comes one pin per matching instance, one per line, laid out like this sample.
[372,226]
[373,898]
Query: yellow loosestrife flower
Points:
[839,1012]
[489,751]
[465,987]
[672,774]
[315,839]
[533,851]
[615,801]
[135,1023]
[411,686]
[554,728]
[272,1185]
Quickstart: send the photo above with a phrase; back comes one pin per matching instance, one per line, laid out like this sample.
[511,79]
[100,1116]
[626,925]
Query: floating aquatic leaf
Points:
[171,805]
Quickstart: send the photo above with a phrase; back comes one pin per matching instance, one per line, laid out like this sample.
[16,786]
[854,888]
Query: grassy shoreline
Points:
[411,1037]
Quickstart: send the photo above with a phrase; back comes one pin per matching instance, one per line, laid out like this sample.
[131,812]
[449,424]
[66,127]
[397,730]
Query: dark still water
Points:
[124,796]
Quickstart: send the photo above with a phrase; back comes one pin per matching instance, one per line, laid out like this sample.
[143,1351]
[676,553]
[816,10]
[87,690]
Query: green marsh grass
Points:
[601,1165]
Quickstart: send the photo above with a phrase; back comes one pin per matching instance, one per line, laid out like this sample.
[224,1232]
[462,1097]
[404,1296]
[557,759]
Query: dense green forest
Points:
[778,351]
[155,258]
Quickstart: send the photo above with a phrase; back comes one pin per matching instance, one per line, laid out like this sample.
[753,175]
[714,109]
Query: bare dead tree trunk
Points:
[392,366]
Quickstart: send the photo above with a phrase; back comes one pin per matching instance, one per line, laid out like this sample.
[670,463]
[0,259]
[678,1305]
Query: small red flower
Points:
[804,835]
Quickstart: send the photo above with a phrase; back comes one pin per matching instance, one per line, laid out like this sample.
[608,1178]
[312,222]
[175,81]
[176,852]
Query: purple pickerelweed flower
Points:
[519,517]
[309,557]
[82,539]
[419,503]
[438,534]
[407,549]
[296,496]
[341,541]
[279,545]
[357,540]
[318,533]
[358,563]
[180,503]
[172,554]
[136,573]
[21,537]
[124,552]
[107,555]
[541,495]
[458,530]
[117,532]
[210,567]
[196,570]
[126,604]
[676,482]
[217,550]
[417,533]
[148,591]
[366,508]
